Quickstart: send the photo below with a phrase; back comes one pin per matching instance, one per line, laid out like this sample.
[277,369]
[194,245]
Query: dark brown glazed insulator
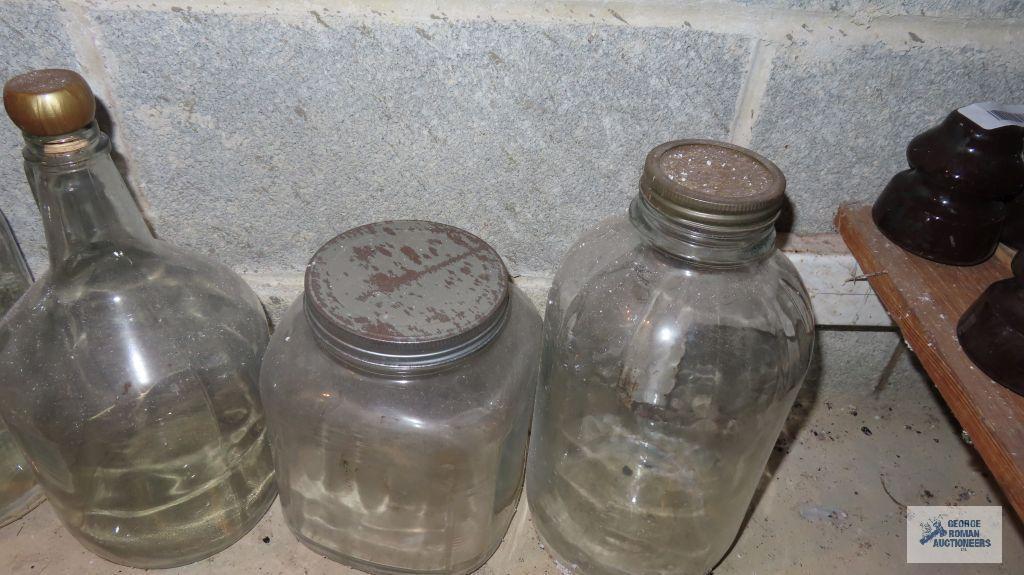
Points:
[950,206]
[991,331]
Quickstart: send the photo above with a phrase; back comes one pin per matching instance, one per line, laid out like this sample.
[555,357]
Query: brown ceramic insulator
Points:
[991,331]
[49,102]
[950,206]
[1013,231]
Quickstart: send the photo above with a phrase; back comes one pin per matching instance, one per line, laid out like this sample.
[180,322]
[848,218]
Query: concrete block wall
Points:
[255,130]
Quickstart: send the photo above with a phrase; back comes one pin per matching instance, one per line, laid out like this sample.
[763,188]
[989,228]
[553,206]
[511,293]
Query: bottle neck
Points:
[703,244]
[85,205]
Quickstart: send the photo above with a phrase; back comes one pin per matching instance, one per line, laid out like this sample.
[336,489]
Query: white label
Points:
[990,115]
[940,534]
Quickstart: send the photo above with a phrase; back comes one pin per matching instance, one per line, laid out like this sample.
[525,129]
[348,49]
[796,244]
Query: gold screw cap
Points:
[49,102]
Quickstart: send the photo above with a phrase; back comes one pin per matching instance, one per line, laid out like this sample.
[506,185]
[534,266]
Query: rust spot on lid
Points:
[363,253]
[411,254]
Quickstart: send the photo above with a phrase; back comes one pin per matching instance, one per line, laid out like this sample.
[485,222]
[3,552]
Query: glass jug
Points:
[18,491]
[128,372]
[675,341]
[399,391]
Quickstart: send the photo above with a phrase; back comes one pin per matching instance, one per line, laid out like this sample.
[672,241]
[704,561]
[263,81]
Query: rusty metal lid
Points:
[406,293]
[712,183]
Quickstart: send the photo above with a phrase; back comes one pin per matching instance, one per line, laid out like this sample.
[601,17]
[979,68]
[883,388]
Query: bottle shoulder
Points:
[170,305]
[158,272]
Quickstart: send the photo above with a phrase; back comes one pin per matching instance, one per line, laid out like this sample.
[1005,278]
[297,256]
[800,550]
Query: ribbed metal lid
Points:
[712,183]
[406,293]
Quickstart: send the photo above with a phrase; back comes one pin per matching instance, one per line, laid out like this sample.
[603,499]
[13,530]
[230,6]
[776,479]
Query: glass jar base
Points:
[22,506]
[563,564]
[378,569]
[257,515]
[577,549]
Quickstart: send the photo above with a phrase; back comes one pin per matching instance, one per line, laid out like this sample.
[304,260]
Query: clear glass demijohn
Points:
[128,371]
[18,490]
[675,341]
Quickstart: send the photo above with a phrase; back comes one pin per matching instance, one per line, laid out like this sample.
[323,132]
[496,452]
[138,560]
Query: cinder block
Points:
[257,139]
[852,362]
[837,119]
[31,36]
[943,8]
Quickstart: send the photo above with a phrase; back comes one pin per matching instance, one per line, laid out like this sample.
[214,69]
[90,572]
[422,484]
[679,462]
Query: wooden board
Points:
[926,299]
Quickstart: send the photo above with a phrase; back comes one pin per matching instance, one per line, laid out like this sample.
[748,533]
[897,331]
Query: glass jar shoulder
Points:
[482,394]
[637,299]
[607,245]
[614,266]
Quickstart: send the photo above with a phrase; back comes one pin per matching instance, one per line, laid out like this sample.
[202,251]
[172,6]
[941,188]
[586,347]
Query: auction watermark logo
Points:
[937,534]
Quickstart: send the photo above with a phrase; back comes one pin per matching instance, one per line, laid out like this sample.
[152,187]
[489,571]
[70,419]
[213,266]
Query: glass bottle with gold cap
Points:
[128,371]
[18,491]
[675,342]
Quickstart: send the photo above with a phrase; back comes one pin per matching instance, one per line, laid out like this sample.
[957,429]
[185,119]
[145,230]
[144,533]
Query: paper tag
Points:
[990,115]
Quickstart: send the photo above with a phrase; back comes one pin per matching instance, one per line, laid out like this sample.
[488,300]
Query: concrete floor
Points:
[831,500]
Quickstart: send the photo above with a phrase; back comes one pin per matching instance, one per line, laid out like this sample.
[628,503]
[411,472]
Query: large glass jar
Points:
[128,371]
[399,391]
[18,491]
[675,342]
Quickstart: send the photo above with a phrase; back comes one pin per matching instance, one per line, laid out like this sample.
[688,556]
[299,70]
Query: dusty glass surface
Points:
[671,359]
[408,465]
[129,373]
[18,491]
